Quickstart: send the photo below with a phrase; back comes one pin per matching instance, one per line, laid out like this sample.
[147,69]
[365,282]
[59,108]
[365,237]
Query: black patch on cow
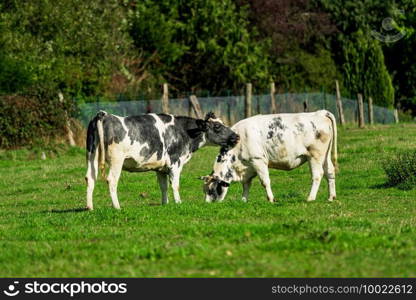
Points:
[223,151]
[142,129]
[182,138]
[146,153]
[91,140]
[175,143]
[229,175]
[190,131]
[300,127]
[279,136]
[274,127]
[233,159]
[113,130]
[165,118]
[92,133]
[315,131]
[277,123]
[216,187]
[219,189]
[313,126]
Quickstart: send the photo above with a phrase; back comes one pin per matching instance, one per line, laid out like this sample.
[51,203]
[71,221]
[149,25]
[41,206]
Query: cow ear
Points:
[202,125]
[210,115]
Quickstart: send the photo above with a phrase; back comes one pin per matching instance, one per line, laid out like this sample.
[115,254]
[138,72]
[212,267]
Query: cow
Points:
[162,143]
[279,141]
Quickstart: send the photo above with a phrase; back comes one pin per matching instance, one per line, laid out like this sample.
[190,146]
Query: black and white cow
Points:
[281,141]
[150,142]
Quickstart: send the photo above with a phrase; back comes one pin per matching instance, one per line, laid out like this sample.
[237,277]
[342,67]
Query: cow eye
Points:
[217,127]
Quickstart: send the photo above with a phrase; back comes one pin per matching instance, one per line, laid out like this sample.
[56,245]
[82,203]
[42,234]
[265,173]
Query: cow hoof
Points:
[310,200]
[331,199]
[89,208]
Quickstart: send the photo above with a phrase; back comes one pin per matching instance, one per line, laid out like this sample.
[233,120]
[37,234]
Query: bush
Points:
[27,118]
[401,170]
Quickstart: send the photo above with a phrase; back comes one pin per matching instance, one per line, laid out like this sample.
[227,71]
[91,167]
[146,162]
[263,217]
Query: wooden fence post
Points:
[247,101]
[370,111]
[360,111]
[229,114]
[306,102]
[273,98]
[195,105]
[70,134]
[396,115]
[165,99]
[339,104]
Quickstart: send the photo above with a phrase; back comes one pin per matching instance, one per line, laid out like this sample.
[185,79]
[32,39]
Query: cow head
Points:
[216,132]
[215,189]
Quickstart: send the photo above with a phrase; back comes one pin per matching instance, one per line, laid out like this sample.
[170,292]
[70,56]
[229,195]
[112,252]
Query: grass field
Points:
[368,231]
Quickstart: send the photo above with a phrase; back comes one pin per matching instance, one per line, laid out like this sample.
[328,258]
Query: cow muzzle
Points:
[233,140]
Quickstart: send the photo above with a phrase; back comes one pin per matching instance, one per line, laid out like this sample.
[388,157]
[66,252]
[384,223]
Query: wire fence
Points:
[231,109]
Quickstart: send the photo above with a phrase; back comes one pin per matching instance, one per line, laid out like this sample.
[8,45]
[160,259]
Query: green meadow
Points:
[368,231]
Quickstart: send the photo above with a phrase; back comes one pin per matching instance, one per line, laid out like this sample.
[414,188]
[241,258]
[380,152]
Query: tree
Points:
[199,44]
[298,31]
[72,46]
[356,51]
[401,55]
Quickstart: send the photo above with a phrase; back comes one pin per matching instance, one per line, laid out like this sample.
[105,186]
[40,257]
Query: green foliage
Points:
[91,49]
[352,16]
[400,58]
[200,44]
[359,55]
[72,46]
[47,47]
[302,70]
[401,170]
[14,75]
[365,71]
[28,118]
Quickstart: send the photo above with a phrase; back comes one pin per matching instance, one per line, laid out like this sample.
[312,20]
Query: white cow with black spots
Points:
[280,141]
[152,142]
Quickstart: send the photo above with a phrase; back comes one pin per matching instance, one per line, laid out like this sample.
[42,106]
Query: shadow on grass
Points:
[379,186]
[404,186]
[64,211]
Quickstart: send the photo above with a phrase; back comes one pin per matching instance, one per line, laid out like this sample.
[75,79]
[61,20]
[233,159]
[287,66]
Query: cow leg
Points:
[91,177]
[162,178]
[174,181]
[112,180]
[246,188]
[329,170]
[317,172]
[263,172]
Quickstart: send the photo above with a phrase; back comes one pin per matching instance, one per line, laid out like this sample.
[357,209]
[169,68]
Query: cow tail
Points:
[334,150]
[101,152]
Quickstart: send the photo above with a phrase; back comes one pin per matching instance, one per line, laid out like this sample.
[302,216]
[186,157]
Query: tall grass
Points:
[401,170]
